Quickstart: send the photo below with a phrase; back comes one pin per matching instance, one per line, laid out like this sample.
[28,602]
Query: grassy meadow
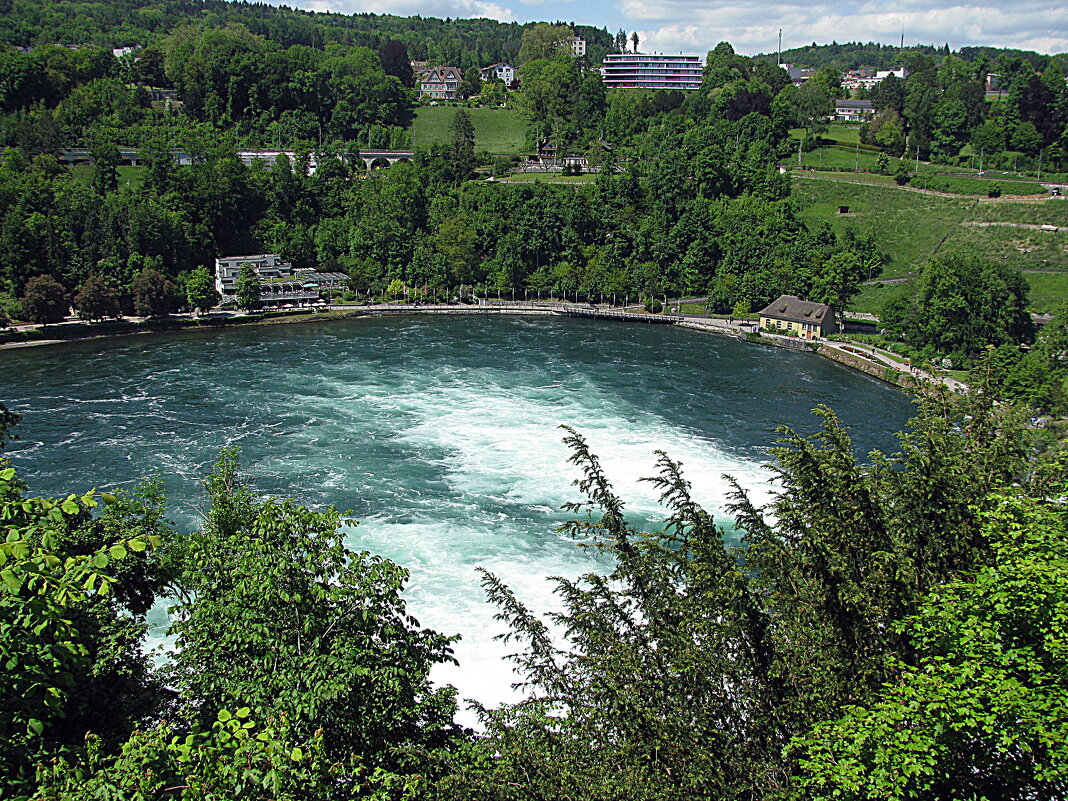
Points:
[135,176]
[497,130]
[1048,290]
[911,227]
[907,226]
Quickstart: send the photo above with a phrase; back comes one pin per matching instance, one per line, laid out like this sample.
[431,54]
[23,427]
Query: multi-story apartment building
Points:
[652,71]
[268,266]
[578,47]
[280,283]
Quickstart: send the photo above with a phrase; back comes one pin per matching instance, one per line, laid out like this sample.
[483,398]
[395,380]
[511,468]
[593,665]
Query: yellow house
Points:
[802,318]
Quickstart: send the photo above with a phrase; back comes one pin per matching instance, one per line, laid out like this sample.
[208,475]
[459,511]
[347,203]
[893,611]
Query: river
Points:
[439,433]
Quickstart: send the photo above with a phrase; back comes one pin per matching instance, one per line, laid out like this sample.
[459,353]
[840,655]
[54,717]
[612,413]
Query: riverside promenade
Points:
[876,362]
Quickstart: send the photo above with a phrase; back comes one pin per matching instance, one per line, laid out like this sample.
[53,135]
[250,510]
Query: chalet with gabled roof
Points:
[803,318]
[440,83]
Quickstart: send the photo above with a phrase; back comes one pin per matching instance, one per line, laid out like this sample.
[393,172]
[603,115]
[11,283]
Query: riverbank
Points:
[869,361]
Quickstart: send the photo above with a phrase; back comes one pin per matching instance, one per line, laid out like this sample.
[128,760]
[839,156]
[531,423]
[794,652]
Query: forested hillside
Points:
[874,55]
[124,23]
[690,199]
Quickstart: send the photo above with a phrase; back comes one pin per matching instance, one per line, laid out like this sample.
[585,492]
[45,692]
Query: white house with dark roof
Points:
[853,110]
[501,71]
[802,318]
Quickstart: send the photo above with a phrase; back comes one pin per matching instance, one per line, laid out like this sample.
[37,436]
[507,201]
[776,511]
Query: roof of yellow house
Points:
[793,309]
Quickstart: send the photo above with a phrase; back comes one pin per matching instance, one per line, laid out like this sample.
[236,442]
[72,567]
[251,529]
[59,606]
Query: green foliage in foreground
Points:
[884,629]
[689,670]
[299,670]
[279,616]
[982,712]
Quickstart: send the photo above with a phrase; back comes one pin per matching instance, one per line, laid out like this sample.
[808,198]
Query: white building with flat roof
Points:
[268,267]
[652,71]
[897,72]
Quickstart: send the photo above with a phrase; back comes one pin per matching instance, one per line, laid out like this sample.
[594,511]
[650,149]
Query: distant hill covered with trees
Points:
[857,55]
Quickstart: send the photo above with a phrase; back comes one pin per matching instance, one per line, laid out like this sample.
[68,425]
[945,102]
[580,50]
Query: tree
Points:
[634,40]
[200,290]
[1026,138]
[813,105]
[44,300]
[839,281]
[982,711]
[247,287]
[962,304]
[462,147]
[393,56]
[8,420]
[545,41]
[889,93]
[282,618]
[471,84]
[885,129]
[950,132]
[105,165]
[48,599]
[988,138]
[620,41]
[152,293]
[685,671]
[96,300]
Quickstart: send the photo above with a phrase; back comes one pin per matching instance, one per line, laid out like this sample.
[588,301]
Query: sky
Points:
[752,26]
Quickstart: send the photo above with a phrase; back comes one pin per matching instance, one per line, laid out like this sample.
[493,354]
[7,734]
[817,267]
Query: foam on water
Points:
[441,436]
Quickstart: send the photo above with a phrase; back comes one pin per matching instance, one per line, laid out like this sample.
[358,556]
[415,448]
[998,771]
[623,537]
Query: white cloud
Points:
[751,26]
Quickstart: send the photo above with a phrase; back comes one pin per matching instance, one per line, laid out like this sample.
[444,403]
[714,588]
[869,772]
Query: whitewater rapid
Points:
[440,435]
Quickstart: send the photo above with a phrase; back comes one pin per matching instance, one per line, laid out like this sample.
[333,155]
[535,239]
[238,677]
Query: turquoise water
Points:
[439,433]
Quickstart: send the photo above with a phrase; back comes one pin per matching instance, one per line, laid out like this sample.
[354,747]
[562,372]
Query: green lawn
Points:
[906,226]
[872,298]
[1024,248]
[847,133]
[135,176]
[838,158]
[1047,290]
[497,130]
[1053,211]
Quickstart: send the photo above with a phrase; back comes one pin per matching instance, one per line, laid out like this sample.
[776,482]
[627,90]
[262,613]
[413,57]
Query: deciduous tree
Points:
[281,617]
[247,287]
[545,41]
[44,300]
[96,300]
[200,290]
[152,293]
[981,711]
